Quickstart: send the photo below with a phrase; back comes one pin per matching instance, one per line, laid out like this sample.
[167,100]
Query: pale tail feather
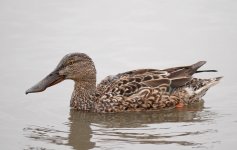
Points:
[197,94]
[211,83]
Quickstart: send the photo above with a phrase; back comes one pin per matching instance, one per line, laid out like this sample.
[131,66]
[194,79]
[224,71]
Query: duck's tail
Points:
[197,88]
[194,68]
[199,71]
[187,70]
[206,85]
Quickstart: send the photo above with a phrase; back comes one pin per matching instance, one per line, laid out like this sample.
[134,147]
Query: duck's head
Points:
[75,66]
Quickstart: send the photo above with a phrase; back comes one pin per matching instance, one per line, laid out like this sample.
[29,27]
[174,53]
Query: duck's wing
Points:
[144,89]
[150,89]
[127,83]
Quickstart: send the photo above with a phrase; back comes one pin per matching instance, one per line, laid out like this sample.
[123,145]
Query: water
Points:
[119,36]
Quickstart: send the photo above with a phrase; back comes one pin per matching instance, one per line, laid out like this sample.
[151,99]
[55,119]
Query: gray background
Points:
[119,35]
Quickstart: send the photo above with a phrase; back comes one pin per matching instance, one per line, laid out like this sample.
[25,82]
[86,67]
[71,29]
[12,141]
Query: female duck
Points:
[137,90]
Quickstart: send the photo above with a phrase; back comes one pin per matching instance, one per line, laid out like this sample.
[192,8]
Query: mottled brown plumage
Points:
[137,90]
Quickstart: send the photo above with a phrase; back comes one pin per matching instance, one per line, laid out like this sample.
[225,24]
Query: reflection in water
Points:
[80,131]
[87,130]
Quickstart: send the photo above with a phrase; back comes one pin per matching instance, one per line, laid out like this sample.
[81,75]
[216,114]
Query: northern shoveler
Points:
[136,90]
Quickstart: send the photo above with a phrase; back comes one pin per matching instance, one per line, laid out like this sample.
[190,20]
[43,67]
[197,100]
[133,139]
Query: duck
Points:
[135,90]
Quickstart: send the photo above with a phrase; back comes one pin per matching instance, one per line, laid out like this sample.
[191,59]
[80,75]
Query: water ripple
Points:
[182,127]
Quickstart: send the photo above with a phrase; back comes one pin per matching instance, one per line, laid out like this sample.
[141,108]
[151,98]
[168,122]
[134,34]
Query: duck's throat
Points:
[82,96]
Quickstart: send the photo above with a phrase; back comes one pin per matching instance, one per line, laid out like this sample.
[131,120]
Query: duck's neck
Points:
[82,96]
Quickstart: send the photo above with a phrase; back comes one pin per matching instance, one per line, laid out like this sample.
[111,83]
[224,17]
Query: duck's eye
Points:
[70,63]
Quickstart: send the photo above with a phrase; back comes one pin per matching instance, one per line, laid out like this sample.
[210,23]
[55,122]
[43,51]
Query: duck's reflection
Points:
[80,131]
[86,129]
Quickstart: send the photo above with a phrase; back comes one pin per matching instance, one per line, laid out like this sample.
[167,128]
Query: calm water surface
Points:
[119,36]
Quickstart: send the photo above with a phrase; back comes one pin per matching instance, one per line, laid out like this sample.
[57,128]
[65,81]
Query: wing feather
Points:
[131,81]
